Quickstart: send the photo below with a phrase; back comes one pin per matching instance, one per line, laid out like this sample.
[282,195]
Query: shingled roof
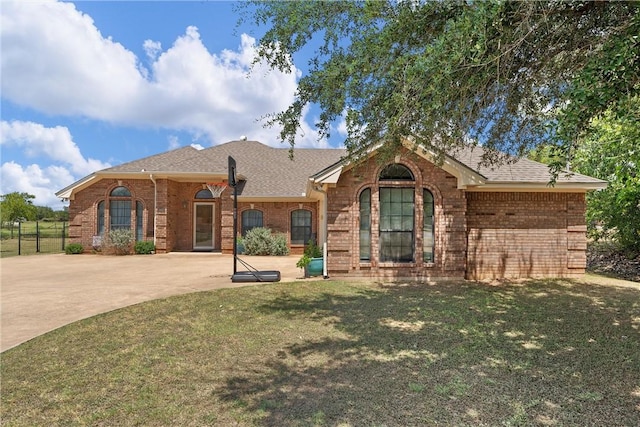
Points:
[268,172]
[518,170]
[466,165]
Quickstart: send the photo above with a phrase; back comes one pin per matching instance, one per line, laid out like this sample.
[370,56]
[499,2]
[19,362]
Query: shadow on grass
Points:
[547,353]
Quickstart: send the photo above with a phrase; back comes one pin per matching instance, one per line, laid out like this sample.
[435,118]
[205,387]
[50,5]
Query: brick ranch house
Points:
[407,217]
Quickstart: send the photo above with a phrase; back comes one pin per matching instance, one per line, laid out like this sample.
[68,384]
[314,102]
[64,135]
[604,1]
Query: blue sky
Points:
[89,85]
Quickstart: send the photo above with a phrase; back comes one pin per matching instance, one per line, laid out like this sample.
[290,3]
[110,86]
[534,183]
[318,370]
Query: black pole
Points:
[235,228]
[19,237]
[37,237]
[231,180]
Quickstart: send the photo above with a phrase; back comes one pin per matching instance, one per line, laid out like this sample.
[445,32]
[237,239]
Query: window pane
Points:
[428,237]
[300,227]
[396,172]
[365,246]
[120,192]
[251,219]
[397,224]
[204,194]
[120,214]
[139,220]
[365,225]
[396,246]
[100,228]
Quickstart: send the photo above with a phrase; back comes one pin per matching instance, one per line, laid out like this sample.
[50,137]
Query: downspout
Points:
[155,207]
[325,233]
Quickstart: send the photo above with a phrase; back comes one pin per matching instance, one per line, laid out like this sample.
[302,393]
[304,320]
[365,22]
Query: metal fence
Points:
[26,238]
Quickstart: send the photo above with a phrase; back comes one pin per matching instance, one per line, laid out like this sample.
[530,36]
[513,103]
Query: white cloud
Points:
[32,179]
[56,61]
[54,143]
[174,142]
[152,49]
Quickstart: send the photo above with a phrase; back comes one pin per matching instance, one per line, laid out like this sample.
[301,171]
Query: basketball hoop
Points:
[216,188]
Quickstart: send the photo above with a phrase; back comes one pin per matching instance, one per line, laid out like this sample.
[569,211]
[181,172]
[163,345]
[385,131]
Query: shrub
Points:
[279,245]
[73,249]
[145,247]
[260,241]
[312,250]
[118,241]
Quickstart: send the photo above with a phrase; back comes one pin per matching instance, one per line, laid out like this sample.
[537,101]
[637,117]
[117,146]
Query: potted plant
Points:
[311,261]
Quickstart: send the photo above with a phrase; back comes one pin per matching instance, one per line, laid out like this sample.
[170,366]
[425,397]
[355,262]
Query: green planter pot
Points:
[315,267]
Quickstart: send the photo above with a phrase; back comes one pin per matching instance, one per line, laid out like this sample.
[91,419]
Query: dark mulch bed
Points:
[606,259]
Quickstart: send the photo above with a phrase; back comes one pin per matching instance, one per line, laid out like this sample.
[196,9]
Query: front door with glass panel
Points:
[203,226]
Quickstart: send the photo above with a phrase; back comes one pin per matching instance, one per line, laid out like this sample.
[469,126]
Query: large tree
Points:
[610,150]
[15,206]
[506,74]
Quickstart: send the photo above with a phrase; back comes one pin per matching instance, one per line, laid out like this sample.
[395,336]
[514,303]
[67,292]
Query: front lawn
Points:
[341,354]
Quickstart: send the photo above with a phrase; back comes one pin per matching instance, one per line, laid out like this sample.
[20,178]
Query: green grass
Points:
[340,354]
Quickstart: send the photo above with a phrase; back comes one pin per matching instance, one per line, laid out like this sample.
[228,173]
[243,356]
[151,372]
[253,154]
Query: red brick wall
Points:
[450,223]
[276,216]
[175,211]
[83,220]
[525,235]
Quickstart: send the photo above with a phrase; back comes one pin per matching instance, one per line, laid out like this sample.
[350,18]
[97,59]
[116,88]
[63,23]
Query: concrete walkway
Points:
[41,293]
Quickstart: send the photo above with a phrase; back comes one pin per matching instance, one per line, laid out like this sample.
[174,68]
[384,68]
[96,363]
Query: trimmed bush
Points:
[145,247]
[118,241]
[279,245]
[73,249]
[260,241]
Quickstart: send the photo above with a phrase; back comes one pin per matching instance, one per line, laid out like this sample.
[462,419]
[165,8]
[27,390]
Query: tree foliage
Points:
[610,150]
[15,206]
[507,74]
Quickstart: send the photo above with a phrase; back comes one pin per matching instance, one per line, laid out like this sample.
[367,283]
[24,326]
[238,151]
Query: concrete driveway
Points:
[43,292]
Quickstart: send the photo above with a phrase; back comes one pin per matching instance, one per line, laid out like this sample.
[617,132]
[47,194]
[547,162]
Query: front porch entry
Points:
[203,226]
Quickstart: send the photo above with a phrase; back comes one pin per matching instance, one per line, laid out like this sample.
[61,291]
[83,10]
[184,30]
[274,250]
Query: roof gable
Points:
[518,174]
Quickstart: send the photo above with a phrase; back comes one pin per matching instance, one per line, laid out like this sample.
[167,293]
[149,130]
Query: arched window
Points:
[300,227]
[251,218]
[365,225]
[396,172]
[100,218]
[120,208]
[428,224]
[204,194]
[120,192]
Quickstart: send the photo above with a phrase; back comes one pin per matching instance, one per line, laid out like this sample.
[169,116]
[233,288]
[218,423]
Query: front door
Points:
[203,226]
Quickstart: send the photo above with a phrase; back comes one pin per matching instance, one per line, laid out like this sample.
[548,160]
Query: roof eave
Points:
[67,192]
[558,187]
